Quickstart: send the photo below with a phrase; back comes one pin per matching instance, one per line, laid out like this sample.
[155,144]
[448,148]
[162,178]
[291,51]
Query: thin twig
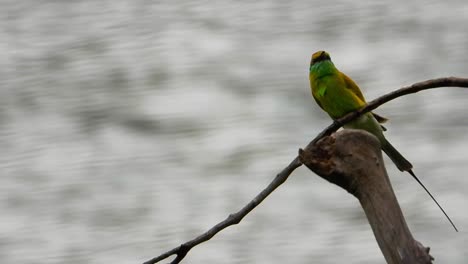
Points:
[232,219]
[182,250]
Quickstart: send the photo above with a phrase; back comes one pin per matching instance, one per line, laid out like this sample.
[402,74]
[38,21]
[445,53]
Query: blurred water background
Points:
[129,127]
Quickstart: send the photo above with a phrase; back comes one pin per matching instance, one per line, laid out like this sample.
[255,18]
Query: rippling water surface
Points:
[128,127]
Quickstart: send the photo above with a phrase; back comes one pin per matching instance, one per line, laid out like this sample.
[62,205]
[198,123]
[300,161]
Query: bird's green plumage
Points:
[329,88]
[337,94]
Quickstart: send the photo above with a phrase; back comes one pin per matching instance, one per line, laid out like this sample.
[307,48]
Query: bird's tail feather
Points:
[400,161]
[404,165]
[432,197]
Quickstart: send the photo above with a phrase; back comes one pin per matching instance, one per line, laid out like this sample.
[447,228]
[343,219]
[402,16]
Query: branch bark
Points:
[352,159]
[182,250]
[414,88]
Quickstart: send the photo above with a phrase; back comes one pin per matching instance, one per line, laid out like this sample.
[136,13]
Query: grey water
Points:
[129,127]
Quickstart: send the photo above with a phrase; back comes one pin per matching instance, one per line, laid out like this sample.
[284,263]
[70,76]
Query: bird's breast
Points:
[334,97]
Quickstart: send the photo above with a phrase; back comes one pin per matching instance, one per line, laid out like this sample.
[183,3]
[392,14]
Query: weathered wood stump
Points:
[352,159]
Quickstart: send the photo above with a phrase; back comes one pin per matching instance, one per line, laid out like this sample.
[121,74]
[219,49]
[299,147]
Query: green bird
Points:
[338,95]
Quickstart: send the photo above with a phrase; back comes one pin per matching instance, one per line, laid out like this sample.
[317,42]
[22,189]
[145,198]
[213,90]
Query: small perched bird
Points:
[338,95]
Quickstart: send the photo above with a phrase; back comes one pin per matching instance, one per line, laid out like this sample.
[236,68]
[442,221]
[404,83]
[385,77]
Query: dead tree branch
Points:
[182,250]
[352,159]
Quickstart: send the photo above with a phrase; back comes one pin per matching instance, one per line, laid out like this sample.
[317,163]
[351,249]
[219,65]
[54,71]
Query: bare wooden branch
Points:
[182,250]
[352,159]
[232,219]
[417,87]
